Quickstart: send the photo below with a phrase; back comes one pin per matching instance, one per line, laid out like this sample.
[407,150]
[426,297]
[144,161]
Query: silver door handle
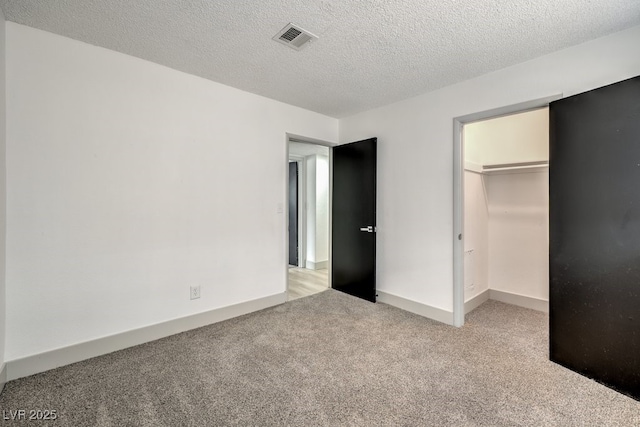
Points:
[369,229]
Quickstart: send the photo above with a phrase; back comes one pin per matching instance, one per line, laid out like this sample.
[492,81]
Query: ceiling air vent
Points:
[294,37]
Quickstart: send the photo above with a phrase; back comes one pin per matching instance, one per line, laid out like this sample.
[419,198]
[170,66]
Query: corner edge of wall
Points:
[524,301]
[418,308]
[476,301]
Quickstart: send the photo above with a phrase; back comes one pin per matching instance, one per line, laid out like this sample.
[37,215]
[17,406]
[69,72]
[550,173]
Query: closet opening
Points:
[492,175]
[506,210]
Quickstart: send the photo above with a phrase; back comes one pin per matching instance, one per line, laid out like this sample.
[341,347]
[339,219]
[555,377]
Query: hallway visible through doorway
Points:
[304,282]
[308,212]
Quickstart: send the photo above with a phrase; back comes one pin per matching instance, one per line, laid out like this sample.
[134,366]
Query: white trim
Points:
[458,190]
[307,140]
[3,376]
[458,224]
[424,310]
[533,303]
[330,207]
[476,301]
[320,265]
[302,212]
[41,362]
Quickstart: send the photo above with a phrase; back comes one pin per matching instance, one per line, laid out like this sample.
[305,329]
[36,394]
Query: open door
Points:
[353,248]
[594,220]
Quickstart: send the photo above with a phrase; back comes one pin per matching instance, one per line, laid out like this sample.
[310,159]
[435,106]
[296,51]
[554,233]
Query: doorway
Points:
[337,229]
[506,210]
[309,218]
[459,202]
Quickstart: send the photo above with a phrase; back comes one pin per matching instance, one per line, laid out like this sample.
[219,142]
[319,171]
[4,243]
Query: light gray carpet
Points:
[331,359]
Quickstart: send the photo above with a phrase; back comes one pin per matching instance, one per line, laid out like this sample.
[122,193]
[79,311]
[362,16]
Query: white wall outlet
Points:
[195,292]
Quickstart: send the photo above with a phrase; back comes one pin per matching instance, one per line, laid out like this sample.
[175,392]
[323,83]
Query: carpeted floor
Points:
[331,359]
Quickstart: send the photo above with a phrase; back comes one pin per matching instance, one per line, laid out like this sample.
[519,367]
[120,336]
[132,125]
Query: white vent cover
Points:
[294,37]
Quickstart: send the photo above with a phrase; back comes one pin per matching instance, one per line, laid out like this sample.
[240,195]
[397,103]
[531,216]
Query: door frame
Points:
[458,190]
[289,137]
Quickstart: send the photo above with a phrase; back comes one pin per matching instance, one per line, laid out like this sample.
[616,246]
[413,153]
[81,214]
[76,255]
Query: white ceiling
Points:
[370,53]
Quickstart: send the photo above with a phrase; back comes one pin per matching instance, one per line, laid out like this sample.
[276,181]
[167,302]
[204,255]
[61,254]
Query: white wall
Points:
[317,210]
[515,138]
[415,156]
[310,178]
[322,210]
[476,241]
[127,183]
[519,233]
[3,192]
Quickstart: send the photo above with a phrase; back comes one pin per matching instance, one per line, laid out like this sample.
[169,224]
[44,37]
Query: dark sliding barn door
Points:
[353,248]
[594,289]
[293,213]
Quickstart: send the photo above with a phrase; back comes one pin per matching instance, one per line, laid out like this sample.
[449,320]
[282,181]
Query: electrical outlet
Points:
[195,292]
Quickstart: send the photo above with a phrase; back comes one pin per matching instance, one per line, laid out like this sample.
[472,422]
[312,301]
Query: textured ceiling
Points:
[370,53]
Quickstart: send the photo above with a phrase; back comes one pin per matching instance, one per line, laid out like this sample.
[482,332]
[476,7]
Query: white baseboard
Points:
[417,308]
[37,363]
[3,376]
[320,265]
[476,301]
[520,300]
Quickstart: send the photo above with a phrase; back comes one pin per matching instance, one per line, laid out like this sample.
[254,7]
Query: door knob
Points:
[369,229]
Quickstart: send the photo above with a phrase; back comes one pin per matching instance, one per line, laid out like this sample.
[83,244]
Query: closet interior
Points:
[506,210]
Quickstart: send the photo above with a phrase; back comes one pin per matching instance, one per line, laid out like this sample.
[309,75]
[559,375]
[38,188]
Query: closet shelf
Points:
[524,167]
